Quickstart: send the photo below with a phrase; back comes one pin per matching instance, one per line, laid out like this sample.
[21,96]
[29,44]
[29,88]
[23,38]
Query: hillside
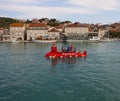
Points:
[5,22]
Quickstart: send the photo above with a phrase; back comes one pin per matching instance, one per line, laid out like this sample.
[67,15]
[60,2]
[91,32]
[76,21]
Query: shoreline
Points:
[68,41]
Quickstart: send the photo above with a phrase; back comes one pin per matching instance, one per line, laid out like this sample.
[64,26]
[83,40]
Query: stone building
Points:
[6,35]
[1,33]
[17,31]
[76,31]
[36,31]
[53,33]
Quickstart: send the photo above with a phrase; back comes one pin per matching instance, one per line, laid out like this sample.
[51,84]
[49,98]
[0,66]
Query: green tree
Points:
[5,22]
[53,22]
[114,34]
[66,22]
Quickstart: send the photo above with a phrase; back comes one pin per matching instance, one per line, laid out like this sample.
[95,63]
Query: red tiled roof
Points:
[76,25]
[17,25]
[59,26]
[37,25]
[115,30]
[1,28]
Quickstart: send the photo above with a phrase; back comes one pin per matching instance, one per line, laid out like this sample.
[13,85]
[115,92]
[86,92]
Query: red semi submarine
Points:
[55,54]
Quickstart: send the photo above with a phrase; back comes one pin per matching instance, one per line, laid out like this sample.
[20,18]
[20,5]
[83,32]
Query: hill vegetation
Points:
[5,22]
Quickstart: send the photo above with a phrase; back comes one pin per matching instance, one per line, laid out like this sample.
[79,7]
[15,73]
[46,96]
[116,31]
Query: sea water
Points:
[26,75]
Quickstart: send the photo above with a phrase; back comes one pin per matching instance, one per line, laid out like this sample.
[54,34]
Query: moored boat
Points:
[14,40]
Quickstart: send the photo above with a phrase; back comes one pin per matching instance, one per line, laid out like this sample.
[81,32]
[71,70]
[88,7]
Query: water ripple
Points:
[25,74]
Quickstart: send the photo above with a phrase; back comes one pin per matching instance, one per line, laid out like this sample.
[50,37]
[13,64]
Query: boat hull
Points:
[65,54]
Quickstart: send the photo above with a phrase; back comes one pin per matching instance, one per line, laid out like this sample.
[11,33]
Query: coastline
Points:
[68,41]
[44,41]
[83,41]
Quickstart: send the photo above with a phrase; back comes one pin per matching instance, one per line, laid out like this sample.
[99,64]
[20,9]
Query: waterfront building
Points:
[1,33]
[17,31]
[102,33]
[53,33]
[6,35]
[76,31]
[60,28]
[36,31]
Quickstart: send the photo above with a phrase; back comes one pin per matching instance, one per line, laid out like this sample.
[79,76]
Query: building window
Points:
[53,34]
[20,33]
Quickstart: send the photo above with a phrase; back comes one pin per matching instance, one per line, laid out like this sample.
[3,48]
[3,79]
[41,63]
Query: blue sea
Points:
[26,75]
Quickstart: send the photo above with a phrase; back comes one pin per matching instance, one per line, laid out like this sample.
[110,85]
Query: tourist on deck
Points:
[63,49]
[71,48]
[68,49]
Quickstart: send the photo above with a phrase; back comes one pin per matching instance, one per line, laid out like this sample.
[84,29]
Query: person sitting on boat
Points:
[63,49]
[71,48]
[68,49]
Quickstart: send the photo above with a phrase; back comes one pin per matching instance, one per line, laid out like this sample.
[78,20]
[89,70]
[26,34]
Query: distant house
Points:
[53,33]
[37,31]
[76,28]
[60,28]
[17,31]
[6,35]
[35,20]
[102,33]
[1,33]
[115,26]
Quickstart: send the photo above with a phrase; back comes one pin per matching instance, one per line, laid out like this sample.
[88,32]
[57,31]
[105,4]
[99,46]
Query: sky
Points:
[83,11]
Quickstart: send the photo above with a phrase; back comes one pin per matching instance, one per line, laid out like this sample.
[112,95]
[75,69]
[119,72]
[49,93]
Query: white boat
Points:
[94,38]
[14,40]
